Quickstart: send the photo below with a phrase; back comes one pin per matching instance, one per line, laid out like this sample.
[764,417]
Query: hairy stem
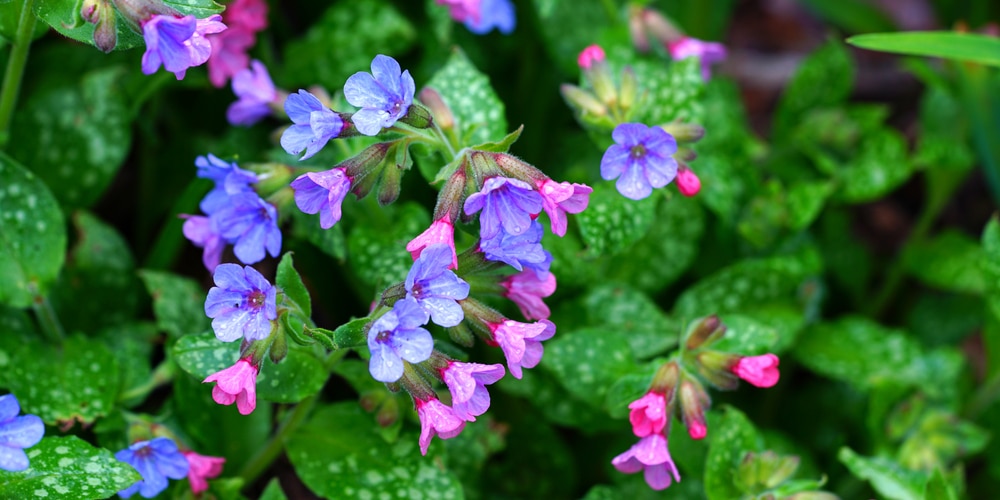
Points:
[15,69]
[47,319]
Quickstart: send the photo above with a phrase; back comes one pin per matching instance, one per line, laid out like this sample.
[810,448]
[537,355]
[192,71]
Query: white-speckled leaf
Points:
[550,398]
[612,223]
[378,254]
[588,361]
[32,236]
[950,261]
[479,113]
[672,92]
[729,439]
[746,336]
[178,303]
[880,166]
[68,468]
[273,491]
[648,330]
[824,79]
[889,478]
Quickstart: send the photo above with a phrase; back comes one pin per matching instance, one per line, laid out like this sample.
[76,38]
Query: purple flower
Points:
[242,304]
[707,52]
[396,336]
[256,92]
[506,203]
[252,225]
[520,251]
[527,289]
[322,192]
[315,125]
[156,460]
[436,419]
[178,43]
[203,233]
[522,342]
[229,179]
[641,159]
[384,95]
[16,434]
[651,456]
[560,198]
[460,10]
[467,383]
[497,14]
[435,287]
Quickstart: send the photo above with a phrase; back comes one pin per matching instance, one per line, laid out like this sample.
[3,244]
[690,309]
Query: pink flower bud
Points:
[527,290]
[687,182]
[237,383]
[761,371]
[649,414]
[589,56]
[440,231]
[202,467]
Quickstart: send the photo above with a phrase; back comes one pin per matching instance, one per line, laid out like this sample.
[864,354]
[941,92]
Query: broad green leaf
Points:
[939,488]
[469,452]
[479,113]
[971,47]
[78,380]
[746,336]
[273,491]
[288,279]
[612,223]
[331,241]
[355,462]
[68,468]
[32,236]
[886,476]
[178,303]
[569,27]
[672,93]
[729,440]
[132,346]
[558,407]
[354,333]
[588,361]
[621,309]
[824,79]
[75,138]
[880,166]
[378,254]
[553,472]
[805,202]
[950,261]
[944,133]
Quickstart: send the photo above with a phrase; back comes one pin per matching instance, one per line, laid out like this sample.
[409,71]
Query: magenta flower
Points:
[16,434]
[560,198]
[396,336]
[249,14]
[384,95]
[203,233]
[522,342]
[708,52]
[435,287]
[505,203]
[641,159]
[460,10]
[687,182]
[467,383]
[761,371]
[526,289]
[648,414]
[497,14]
[178,43]
[651,456]
[590,55]
[237,383]
[314,125]
[441,231]
[156,460]
[229,53]
[436,419]
[242,304]
[256,92]
[201,468]
[323,193]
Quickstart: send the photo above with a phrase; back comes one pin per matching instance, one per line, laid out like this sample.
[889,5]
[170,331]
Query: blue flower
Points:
[506,203]
[256,92]
[641,160]
[395,336]
[435,287]
[497,14]
[384,95]
[177,43]
[315,125]
[520,251]
[242,304]
[156,460]
[229,179]
[16,434]
[251,224]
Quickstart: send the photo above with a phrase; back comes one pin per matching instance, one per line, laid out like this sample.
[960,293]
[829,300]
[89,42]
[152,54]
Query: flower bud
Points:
[519,169]
[589,56]
[363,168]
[106,30]
[451,197]
[599,76]
[138,12]
[694,403]
[665,380]
[637,28]
[440,111]
[481,317]
[482,165]
[628,90]
[764,471]
[687,182]
[90,10]
[279,347]
[705,332]
[417,116]
[582,101]
[461,335]
[660,27]
[388,413]
[716,367]
[371,400]
[390,185]
[684,132]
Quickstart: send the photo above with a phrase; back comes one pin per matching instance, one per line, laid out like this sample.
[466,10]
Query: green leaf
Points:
[852,15]
[588,361]
[355,462]
[32,236]
[619,308]
[950,261]
[805,202]
[479,113]
[730,439]
[75,138]
[568,27]
[330,241]
[746,336]
[939,488]
[132,346]
[550,397]
[290,282]
[503,145]
[178,303]
[824,79]
[612,223]
[880,166]
[68,468]
[354,333]
[10,14]
[627,389]
[77,380]
[672,93]
[971,47]
[273,491]
[887,477]
[378,253]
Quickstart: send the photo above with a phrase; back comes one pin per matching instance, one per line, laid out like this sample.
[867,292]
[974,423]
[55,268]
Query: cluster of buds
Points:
[646,23]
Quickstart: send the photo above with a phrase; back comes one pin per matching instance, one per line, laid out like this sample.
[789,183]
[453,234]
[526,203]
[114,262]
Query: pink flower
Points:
[708,52]
[527,290]
[687,182]
[436,418]
[697,429]
[249,14]
[761,371]
[237,383]
[522,342]
[467,383]
[229,54]
[651,456]
[560,198]
[441,231]
[649,414]
[589,56]
[256,92]
[202,467]
[177,43]
[462,10]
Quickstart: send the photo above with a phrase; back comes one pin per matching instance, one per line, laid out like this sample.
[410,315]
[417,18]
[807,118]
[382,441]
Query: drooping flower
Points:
[441,231]
[203,233]
[16,434]
[384,95]
[526,289]
[687,182]
[641,160]
[201,469]
[435,287]
[505,203]
[460,10]
[249,14]
[467,383]
[694,403]
[323,193]
[497,14]
[436,419]
[651,456]
[648,414]
[396,336]
[315,125]
[560,198]
[178,43]
[255,90]
[523,251]
[238,384]
[229,179]
[707,52]
[590,55]
[251,224]
[522,342]
[242,304]
[761,371]
[156,460]
[229,53]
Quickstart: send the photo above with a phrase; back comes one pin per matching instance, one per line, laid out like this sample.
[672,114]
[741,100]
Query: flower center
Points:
[383,336]
[638,151]
[256,299]
[418,290]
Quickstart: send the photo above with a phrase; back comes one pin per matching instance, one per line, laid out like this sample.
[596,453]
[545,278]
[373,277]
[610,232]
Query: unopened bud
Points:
[590,56]
[684,132]
[106,30]
[660,27]
[461,335]
[138,12]
[637,28]
[483,165]
[90,10]
[390,185]
[388,413]
[666,378]
[519,169]
[363,168]
[716,367]
[370,400]
[813,495]
[628,90]
[279,347]
[599,76]
[685,154]
[694,403]
[687,182]
[417,116]
[705,332]
[581,100]
[451,198]
[439,109]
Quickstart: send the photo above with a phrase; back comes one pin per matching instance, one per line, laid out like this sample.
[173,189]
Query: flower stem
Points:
[163,374]
[47,319]
[263,459]
[15,69]
[444,140]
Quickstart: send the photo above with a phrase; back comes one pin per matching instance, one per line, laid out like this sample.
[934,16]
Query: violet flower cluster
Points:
[160,459]
[483,16]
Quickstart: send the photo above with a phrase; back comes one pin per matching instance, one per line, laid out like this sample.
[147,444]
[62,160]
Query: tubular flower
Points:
[238,384]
